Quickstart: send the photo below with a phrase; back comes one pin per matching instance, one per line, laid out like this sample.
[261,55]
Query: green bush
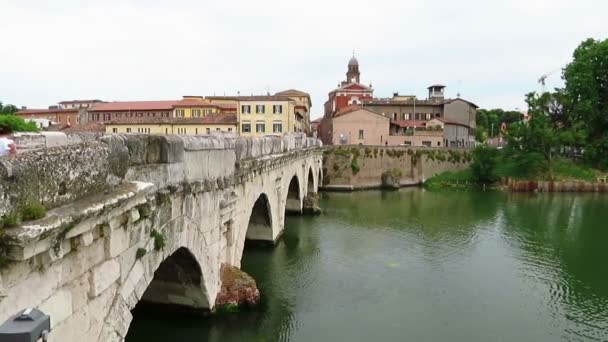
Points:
[33,211]
[160,240]
[14,123]
[354,165]
[140,253]
[483,167]
[10,220]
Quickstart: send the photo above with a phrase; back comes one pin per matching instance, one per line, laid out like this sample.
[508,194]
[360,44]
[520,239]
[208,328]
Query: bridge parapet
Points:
[58,175]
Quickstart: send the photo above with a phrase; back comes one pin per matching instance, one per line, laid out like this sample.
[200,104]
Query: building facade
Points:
[78,104]
[187,107]
[457,115]
[354,125]
[64,117]
[266,114]
[217,122]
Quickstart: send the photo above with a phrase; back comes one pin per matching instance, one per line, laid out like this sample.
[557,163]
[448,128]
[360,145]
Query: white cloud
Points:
[491,51]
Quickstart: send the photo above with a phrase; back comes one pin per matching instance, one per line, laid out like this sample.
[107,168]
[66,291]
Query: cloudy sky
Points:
[492,52]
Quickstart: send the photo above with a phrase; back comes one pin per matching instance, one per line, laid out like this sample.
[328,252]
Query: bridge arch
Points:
[178,280]
[259,227]
[311,181]
[293,203]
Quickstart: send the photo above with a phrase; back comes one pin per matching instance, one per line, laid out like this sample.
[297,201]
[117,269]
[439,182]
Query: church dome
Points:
[353,62]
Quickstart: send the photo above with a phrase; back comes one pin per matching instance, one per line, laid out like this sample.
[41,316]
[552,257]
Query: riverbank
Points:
[567,177]
[351,168]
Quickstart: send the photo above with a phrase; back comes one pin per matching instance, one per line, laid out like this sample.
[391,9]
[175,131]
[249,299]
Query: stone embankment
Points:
[347,168]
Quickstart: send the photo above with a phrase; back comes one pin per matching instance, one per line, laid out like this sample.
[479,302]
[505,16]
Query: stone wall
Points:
[96,253]
[360,167]
[554,186]
[84,164]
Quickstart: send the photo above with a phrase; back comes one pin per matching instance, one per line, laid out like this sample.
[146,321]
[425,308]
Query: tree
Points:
[13,123]
[8,109]
[483,166]
[586,89]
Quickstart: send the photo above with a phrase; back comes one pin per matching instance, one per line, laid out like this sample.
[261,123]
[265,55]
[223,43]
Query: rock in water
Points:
[238,289]
[311,203]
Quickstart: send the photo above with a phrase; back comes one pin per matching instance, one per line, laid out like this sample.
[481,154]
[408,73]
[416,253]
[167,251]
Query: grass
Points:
[451,179]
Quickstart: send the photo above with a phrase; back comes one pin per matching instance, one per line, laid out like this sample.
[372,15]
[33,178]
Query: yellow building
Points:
[302,108]
[215,122]
[264,115]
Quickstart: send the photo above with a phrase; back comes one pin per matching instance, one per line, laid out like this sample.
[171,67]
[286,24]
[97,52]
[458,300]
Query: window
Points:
[439,143]
[360,134]
[277,127]
[260,127]
[218,129]
[165,114]
[96,117]
[196,131]
[394,116]
[426,143]
[428,116]
[277,109]
[181,130]
[407,116]
[260,109]
[407,143]
[246,127]
[229,129]
[179,113]
[115,130]
[128,129]
[196,113]
[246,109]
[166,131]
[208,130]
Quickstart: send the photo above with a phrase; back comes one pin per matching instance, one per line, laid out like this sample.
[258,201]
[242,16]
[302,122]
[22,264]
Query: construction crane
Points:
[542,80]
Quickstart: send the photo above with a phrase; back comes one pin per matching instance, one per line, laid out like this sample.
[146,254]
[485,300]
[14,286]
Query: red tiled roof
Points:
[216,119]
[133,106]
[46,111]
[346,110]
[79,101]
[292,92]
[251,98]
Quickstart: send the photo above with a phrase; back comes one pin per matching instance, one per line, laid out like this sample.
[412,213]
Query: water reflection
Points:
[424,266]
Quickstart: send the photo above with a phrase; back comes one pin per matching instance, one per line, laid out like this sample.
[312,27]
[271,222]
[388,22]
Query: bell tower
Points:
[353,75]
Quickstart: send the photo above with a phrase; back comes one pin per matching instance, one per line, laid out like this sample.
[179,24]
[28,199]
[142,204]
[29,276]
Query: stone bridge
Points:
[134,217]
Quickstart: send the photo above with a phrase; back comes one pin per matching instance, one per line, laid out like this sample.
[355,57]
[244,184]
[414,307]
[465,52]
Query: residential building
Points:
[78,104]
[354,125]
[265,114]
[216,122]
[64,117]
[302,107]
[187,107]
[458,115]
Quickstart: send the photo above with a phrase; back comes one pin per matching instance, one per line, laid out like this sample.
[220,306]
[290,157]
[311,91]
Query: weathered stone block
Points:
[136,274]
[103,276]
[117,242]
[172,150]
[58,306]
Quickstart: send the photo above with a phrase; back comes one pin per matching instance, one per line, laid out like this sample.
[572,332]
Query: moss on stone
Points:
[33,211]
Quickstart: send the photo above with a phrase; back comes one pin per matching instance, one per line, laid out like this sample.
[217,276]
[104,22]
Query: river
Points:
[415,265]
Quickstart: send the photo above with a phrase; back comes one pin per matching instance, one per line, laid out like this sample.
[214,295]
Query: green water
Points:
[423,266]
